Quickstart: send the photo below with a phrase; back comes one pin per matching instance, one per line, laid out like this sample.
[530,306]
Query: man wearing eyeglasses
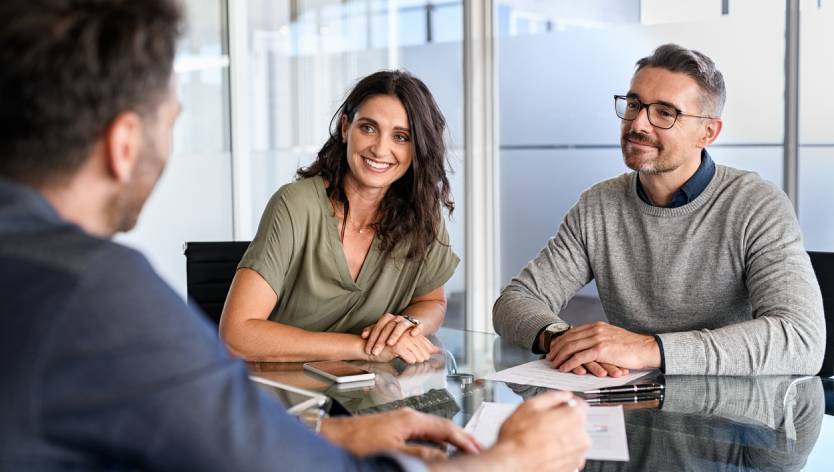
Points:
[700,267]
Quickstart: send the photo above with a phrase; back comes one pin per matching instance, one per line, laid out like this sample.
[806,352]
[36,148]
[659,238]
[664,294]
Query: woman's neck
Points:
[364,202]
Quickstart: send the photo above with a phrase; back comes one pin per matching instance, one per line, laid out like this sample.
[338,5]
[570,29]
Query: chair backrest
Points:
[823,263]
[828,390]
[210,268]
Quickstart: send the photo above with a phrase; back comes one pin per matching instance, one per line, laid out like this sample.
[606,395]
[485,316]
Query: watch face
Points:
[558,327]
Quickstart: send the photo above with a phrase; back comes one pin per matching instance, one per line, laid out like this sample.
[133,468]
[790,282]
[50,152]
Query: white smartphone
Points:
[339,371]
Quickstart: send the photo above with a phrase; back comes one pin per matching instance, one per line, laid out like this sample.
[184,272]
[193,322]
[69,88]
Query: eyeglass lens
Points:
[660,115]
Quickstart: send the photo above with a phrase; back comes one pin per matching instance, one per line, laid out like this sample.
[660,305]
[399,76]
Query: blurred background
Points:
[526,87]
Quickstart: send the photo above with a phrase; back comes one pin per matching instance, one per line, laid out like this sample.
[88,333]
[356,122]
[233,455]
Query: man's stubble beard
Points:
[656,166]
[125,208]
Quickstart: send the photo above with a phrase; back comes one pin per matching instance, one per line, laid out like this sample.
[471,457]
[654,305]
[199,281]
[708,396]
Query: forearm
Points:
[533,299]
[264,340]
[769,345]
[431,314]
[518,316]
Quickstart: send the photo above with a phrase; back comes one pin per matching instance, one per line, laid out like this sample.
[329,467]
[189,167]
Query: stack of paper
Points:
[606,427]
[541,374]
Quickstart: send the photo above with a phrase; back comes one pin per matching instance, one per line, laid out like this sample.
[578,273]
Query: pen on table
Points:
[625,398]
[627,389]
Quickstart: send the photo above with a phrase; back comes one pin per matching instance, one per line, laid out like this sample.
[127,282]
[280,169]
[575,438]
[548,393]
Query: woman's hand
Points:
[414,349]
[411,349]
[387,332]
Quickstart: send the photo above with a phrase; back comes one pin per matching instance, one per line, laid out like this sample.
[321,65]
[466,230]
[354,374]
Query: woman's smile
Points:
[379,167]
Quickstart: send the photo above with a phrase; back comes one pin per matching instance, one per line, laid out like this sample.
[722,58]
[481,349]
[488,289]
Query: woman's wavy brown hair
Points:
[410,211]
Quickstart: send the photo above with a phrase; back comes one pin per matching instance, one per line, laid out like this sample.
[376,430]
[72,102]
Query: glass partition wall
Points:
[560,63]
[816,134]
[557,64]
[305,55]
[193,200]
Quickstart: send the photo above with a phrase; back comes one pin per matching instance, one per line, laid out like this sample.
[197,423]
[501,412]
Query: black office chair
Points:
[828,391]
[210,268]
[823,263]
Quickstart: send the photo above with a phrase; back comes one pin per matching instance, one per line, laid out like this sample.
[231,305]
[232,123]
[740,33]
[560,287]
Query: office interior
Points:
[260,80]
[526,87]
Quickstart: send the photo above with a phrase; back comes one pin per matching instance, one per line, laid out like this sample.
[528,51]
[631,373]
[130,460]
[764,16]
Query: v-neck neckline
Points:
[337,249]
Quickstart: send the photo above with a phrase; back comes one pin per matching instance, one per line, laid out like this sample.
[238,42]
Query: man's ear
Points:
[122,145]
[711,131]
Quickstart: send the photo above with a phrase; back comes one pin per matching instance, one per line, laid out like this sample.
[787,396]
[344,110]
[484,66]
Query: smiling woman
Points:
[379,132]
[349,262]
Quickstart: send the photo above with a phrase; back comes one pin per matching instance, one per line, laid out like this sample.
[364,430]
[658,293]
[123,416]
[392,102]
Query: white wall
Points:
[559,133]
[193,200]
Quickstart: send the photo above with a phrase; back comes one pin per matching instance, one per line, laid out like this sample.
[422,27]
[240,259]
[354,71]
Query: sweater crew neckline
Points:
[689,208]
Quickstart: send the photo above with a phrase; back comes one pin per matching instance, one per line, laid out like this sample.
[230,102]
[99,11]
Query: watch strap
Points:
[548,336]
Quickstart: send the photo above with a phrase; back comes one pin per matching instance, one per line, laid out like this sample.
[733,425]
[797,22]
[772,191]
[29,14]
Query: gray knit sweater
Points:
[724,280]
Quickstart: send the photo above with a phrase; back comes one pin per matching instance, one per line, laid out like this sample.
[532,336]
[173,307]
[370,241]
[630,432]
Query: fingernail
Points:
[376,351]
[390,342]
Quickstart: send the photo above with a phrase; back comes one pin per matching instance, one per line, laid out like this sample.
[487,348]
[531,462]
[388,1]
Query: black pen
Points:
[627,389]
[624,398]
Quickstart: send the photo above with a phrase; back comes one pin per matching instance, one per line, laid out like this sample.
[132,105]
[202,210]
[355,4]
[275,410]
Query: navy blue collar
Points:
[691,188]
[24,208]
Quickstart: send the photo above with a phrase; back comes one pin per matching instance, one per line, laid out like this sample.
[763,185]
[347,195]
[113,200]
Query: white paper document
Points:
[540,374]
[605,425]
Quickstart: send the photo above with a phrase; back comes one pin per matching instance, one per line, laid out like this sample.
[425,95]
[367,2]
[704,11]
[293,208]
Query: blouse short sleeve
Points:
[270,253]
[439,265]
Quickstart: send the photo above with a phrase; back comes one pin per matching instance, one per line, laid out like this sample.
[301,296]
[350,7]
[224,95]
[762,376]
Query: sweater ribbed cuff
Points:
[531,326]
[662,354]
[683,354]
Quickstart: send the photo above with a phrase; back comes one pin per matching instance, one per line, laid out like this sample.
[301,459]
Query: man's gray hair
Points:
[696,65]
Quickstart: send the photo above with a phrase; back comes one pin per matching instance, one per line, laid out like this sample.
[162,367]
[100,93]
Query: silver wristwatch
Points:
[552,331]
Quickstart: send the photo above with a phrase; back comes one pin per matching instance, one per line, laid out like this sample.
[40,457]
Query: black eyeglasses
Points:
[660,115]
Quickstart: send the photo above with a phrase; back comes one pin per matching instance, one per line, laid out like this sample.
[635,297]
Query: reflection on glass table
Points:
[702,423]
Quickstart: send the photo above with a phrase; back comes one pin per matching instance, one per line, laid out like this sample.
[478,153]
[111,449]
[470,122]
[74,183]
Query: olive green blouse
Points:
[298,252]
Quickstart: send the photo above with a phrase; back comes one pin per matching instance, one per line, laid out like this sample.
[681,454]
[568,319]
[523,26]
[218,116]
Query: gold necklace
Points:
[360,229]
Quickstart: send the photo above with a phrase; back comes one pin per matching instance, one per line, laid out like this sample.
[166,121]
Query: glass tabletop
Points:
[702,423]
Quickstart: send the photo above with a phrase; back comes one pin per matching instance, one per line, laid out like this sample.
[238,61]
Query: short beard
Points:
[125,207]
[649,170]
[655,167]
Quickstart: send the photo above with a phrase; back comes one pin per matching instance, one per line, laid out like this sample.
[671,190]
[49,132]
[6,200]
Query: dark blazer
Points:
[102,365]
